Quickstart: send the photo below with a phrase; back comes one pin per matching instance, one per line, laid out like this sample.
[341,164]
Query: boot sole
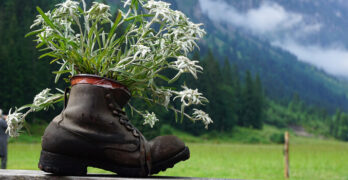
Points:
[67,165]
[169,163]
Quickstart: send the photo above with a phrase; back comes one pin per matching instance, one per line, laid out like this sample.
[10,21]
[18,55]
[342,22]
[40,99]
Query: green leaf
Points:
[46,19]
[176,116]
[139,16]
[182,113]
[54,60]
[50,54]
[60,69]
[40,45]
[34,32]
[113,28]
[132,112]
[61,72]
[24,107]
[163,77]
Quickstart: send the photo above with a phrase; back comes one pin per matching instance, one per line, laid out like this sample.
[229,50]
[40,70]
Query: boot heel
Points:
[61,164]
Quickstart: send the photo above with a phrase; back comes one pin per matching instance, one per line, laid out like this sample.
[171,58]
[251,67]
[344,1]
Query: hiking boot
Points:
[93,130]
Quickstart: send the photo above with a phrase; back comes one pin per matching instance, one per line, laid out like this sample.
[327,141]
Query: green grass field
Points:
[309,159]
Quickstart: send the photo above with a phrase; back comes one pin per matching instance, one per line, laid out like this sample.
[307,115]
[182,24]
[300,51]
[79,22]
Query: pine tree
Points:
[237,92]
[209,84]
[229,111]
[335,123]
[227,73]
[343,128]
[252,103]
[258,104]
[247,114]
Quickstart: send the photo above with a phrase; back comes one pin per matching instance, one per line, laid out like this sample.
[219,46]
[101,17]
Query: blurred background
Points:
[269,67]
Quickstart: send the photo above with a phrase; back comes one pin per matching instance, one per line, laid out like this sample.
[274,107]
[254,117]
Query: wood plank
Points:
[40,175]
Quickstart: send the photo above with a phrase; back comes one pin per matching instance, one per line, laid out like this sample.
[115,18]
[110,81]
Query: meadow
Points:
[310,158]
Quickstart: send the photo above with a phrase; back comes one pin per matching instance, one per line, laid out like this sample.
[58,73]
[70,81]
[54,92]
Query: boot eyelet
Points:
[112,106]
[129,127]
[108,96]
[135,133]
[122,121]
[114,112]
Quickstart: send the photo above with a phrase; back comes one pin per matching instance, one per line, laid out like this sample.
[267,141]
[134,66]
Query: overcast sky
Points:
[284,29]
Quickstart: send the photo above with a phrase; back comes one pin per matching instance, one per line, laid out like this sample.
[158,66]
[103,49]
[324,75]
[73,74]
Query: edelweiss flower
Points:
[150,119]
[161,11]
[42,98]
[201,115]
[140,50]
[165,95]
[179,16]
[127,3]
[184,64]
[190,96]
[14,123]
[99,10]
[39,20]
[195,30]
[67,9]
[184,44]
[47,31]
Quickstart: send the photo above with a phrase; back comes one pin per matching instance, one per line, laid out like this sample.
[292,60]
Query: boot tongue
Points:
[119,91]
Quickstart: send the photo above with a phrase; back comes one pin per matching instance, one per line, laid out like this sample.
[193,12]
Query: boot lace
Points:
[123,119]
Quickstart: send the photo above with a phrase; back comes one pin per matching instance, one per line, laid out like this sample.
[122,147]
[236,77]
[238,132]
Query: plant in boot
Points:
[78,40]
[108,62]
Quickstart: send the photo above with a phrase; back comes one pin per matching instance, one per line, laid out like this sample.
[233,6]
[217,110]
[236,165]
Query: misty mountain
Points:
[282,72]
[328,18]
[314,32]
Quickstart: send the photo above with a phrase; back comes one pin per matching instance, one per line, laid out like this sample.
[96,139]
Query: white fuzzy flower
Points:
[14,122]
[161,10]
[99,11]
[165,95]
[184,64]
[140,50]
[179,16]
[39,20]
[195,30]
[42,98]
[68,8]
[127,3]
[190,96]
[202,116]
[47,32]
[150,119]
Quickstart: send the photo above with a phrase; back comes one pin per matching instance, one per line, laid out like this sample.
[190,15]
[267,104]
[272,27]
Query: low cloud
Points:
[284,29]
[268,18]
[333,60]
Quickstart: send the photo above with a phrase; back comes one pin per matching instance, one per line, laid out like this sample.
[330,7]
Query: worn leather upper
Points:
[93,126]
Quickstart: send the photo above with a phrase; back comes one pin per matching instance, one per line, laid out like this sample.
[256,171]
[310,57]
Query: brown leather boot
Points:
[94,131]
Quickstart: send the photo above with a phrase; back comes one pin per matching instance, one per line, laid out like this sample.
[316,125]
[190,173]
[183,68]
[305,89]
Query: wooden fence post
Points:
[286,155]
